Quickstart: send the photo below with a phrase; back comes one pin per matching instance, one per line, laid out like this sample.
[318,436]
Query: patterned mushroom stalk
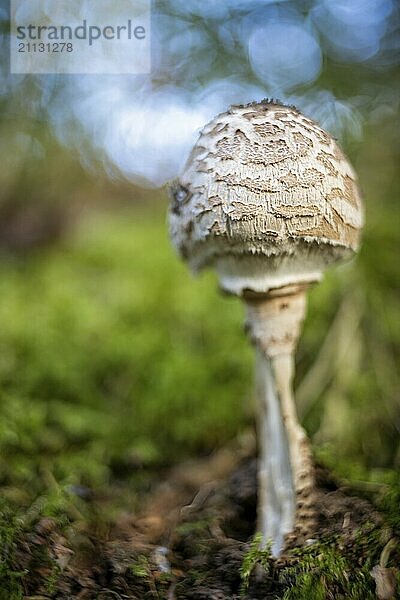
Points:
[268,199]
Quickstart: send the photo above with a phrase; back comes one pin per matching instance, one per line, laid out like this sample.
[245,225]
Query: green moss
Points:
[193,527]
[112,356]
[114,361]
[389,502]
[102,341]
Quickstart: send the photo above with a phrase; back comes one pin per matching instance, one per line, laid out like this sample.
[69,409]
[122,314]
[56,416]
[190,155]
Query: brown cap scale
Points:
[269,200]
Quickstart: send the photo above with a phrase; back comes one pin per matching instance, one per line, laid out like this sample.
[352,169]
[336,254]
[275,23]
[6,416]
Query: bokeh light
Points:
[205,56]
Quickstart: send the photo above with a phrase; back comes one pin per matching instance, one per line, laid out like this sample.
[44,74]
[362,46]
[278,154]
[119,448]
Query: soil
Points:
[187,544]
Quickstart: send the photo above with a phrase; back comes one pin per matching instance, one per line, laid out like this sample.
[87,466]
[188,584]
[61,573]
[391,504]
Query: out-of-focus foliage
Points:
[350,391]
[334,59]
[112,357]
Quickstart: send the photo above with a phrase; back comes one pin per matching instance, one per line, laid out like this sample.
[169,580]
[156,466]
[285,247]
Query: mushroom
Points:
[269,200]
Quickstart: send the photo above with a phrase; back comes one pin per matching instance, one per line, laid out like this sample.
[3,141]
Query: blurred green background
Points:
[115,362]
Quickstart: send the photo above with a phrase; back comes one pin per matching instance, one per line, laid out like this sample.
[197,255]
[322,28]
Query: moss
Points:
[119,339]
[191,527]
[106,337]
[389,501]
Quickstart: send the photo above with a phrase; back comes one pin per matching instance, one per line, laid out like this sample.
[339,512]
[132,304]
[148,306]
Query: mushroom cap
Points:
[267,198]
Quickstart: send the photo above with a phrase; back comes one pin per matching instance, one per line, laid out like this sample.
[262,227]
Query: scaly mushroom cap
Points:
[266,197]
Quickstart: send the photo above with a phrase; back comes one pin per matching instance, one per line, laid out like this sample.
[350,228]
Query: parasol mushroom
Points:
[269,200]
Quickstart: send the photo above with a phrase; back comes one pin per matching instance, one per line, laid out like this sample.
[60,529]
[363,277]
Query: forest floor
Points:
[194,540]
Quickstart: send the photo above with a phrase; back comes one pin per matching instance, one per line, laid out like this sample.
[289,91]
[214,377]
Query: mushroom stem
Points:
[286,473]
[276,494]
